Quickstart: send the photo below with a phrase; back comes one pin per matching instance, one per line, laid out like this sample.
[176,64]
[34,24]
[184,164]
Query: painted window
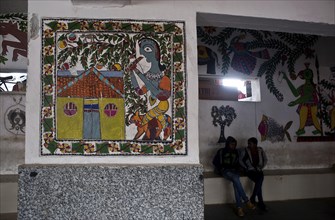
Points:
[70,109]
[110,110]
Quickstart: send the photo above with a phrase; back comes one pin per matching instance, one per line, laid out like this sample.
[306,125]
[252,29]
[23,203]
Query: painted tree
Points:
[223,116]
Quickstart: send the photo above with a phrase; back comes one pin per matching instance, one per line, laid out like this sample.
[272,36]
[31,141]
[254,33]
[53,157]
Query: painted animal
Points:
[17,119]
[207,57]
[152,129]
[272,131]
[20,46]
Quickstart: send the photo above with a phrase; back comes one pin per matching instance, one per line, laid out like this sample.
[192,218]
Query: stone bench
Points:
[280,184]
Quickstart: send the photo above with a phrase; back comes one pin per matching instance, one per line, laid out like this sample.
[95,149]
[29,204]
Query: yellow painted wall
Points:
[112,128]
[69,127]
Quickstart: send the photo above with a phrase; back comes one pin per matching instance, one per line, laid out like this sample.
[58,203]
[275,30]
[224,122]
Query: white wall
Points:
[11,141]
[166,10]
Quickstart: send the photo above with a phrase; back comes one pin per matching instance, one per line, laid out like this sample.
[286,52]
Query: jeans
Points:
[234,177]
[257,177]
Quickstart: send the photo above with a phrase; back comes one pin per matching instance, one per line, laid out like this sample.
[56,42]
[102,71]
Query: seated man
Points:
[253,159]
[226,162]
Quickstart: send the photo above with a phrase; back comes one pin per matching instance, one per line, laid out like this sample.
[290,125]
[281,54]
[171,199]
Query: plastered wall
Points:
[11,140]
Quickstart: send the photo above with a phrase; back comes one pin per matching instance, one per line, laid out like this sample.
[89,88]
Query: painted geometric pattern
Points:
[113,87]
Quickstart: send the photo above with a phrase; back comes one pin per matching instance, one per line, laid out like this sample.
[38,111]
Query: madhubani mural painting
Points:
[223,116]
[113,87]
[271,130]
[13,31]
[15,117]
[278,57]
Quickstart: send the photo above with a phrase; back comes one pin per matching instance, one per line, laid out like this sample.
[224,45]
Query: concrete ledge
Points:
[110,192]
[278,185]
[8,197]
[9,178]
[283,172]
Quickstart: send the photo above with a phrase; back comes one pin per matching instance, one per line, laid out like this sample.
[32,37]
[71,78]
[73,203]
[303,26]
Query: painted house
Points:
[90,105]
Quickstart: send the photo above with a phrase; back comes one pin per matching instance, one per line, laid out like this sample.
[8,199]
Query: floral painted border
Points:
[49,143]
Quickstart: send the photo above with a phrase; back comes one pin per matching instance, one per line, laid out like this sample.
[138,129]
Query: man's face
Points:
[232,145]
[251,144]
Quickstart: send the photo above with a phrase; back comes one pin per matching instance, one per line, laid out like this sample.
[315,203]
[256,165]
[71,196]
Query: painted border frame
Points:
[49,143]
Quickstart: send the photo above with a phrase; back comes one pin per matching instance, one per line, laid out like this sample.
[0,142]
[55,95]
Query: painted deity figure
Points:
[156,85]
[307,101]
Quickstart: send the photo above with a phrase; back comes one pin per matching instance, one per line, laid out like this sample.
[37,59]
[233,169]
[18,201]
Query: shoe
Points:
[262,207]
[250,205]
[240,212]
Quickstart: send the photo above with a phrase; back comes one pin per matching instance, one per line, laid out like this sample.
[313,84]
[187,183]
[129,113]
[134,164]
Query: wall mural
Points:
[275,55]
[113,87]
[13,28]
[223,116]
[15,118]
[271,130]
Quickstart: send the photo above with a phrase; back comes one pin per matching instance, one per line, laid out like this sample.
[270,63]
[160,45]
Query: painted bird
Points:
[244,61]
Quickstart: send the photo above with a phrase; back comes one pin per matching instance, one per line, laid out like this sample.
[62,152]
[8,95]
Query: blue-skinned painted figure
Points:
[156,84]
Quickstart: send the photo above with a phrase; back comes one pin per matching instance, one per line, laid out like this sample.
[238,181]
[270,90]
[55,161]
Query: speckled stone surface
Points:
[111,192]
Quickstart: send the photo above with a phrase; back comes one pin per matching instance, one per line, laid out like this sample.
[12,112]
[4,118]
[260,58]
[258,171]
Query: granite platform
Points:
[111,192]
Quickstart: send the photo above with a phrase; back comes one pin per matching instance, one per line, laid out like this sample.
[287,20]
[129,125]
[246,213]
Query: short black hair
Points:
[229,140]
[253,140]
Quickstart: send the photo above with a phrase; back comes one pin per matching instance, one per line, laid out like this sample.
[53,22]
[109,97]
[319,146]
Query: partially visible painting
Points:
[113,87]
[13,31]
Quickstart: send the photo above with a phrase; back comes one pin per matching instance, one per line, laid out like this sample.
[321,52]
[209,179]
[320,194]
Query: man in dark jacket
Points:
[226,162]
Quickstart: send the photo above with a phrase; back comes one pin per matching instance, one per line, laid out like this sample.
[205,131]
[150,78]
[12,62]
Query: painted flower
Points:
[116,26]
[47,89]
[89,148]
[84,25]
[178,30]
[136,27]
[114,147]
[47,112]
[157,149]
[178,47]
[99,25]
[179,102]
[178,145]
[47,138]
[179,123]
[158,28]
[61,26]
[178,66]
[179,85]
[48,33]
[136,148]
[48,51]
[48,69]
[64,148]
